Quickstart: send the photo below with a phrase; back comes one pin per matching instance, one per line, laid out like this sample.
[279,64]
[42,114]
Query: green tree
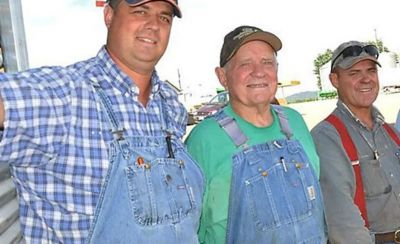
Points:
[320,61]
[396,58]
[379,44]
[383,49]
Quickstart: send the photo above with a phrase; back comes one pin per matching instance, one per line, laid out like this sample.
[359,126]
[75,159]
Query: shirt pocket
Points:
[159,191]
[374,178]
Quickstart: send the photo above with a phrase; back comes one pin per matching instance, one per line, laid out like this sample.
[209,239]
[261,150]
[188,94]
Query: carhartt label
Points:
[311,192]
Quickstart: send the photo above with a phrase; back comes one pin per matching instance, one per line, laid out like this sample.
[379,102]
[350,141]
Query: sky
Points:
[65,31]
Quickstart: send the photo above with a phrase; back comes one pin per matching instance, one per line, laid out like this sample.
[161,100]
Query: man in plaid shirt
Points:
[94,148]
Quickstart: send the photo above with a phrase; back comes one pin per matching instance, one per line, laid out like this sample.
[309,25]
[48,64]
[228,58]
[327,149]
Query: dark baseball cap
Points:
[349,53]
[174,3]
[244,34]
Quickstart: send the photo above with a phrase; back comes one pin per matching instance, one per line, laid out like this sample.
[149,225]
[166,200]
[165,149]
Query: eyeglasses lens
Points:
[372,50]
[351,51]
[355,51]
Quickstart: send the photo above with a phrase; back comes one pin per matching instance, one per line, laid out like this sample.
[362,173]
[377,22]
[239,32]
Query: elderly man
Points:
[259,159]
[359,153]
[95,149]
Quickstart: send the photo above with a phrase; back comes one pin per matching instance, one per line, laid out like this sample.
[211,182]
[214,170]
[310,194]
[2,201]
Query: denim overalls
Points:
[152,192]
[274,195]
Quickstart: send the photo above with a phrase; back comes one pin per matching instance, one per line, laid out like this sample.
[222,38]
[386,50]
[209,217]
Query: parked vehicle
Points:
[217,102]
[211,107]
[191,120]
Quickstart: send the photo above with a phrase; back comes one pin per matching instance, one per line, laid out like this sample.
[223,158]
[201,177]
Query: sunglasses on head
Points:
[355,51]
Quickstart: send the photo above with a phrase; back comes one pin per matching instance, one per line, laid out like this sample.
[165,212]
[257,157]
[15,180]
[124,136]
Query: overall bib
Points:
[152,192]
[274,195]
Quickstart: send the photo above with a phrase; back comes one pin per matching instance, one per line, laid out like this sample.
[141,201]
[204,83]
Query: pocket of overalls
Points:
[283,193]
[159,192]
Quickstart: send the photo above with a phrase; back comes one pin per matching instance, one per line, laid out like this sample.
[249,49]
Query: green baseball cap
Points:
[244,34]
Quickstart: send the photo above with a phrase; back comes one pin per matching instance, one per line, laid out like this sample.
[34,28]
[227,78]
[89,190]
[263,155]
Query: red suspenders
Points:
[351,150]
[392,134]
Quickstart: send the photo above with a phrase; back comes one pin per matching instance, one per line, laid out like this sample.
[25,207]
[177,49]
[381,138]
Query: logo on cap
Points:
[245,32]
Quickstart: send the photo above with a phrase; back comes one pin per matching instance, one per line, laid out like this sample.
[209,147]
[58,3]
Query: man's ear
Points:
[333,77]
[108,15]
[220,72]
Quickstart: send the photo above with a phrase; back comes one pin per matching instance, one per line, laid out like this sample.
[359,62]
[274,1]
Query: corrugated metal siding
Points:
[10,231]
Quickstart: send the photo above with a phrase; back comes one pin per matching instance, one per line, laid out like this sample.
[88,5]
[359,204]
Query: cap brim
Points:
[349,62]
[177,10]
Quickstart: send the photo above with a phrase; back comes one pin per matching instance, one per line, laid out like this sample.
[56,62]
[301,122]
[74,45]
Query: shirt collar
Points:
[119,79]
[376,115]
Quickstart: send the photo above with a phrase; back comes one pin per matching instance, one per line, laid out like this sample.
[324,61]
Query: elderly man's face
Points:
[358,86]
[251,75]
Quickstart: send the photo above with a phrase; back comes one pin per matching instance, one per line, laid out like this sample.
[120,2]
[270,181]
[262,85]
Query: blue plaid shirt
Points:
[56,139]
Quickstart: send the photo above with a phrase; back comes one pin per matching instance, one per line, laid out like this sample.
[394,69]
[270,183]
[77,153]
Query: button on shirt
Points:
[56,139]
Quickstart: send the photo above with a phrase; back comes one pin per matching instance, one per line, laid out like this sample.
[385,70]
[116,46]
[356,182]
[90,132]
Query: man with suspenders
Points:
[359,153]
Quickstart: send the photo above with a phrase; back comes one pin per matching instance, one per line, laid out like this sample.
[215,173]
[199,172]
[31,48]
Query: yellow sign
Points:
[290,83]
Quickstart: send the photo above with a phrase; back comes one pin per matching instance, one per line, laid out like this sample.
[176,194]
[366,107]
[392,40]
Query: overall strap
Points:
[392,134]
[229,125]
[238,137]
[165,124]
[349,146]
[283,121]
[116,128]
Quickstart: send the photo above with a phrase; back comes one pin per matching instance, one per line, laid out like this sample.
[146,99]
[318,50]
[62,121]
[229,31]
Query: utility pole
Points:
[179,80]
[180,86]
